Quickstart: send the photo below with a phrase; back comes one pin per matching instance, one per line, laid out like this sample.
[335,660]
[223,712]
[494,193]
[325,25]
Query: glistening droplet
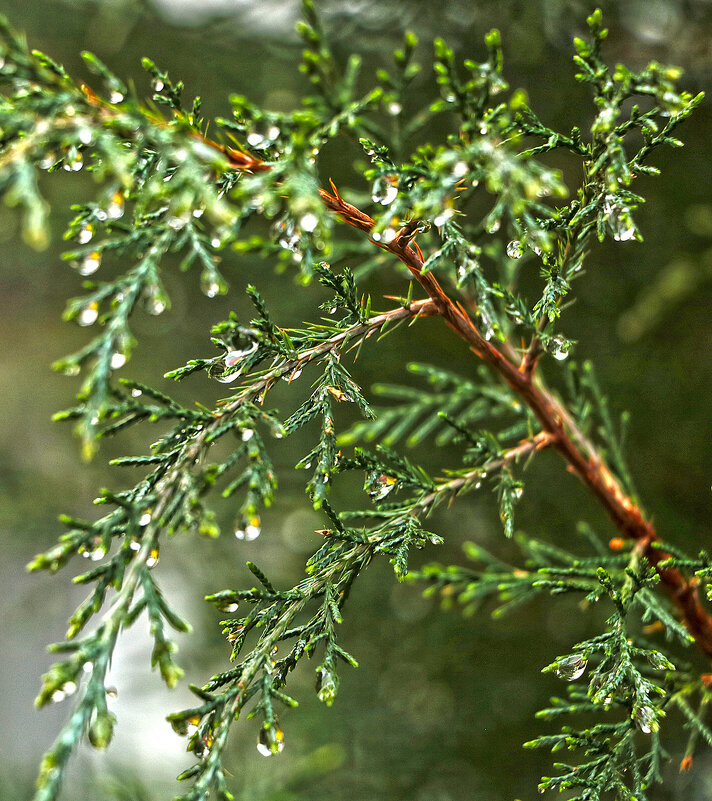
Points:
[86,232]
[271,741]
[571,667]
[88,314]
[515,249]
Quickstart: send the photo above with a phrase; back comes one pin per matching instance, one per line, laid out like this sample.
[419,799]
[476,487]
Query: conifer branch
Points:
[191,193]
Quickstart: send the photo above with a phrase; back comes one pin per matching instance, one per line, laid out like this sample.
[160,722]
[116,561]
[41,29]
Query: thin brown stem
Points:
[451,489]
[583,460]
[562,433]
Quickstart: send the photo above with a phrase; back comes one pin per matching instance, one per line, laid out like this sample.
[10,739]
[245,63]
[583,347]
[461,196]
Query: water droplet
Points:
[559,347]
[58,696]
[135,545]
[209,285]
[379,485]
[293,375]
[257,140]
[178,223]
[271,740]
[136,392]
[115,209]
[87,667]
[443,217]
[152,558]
[460,169]
[198,213]
[155,300]
[145,518]
[385,190]
[515,249]
[86,232]
[74,160]
[97,554]
[288,236]
[48,161]
[231,607]
[158,85]
[262,136]
[69,688]
[89,264]
[326,686]
[309,222]
[116,97]
[118,360]
[249,529]
[394,108]
[518,492]
[247,434]
[497,84]
[624,234]
[494,226]
[571,667]
[487,324]
[231,359]
[660,661]
[86,136]
[466,269]
[619,219]
[646,719]
[89,314]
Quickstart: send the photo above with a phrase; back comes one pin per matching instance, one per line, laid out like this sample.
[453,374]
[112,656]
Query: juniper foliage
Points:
[164,187]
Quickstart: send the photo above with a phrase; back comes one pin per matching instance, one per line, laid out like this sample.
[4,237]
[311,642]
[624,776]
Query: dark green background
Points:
[440,705]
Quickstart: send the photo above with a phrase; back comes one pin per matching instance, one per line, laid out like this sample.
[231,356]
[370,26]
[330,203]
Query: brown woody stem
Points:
[562,434]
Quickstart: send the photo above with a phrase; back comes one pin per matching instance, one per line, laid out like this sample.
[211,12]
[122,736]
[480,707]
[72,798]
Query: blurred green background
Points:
[440,705]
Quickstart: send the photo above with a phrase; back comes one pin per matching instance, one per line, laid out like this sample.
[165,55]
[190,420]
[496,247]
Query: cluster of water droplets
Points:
[287,235]
[67,689]
[262,135]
